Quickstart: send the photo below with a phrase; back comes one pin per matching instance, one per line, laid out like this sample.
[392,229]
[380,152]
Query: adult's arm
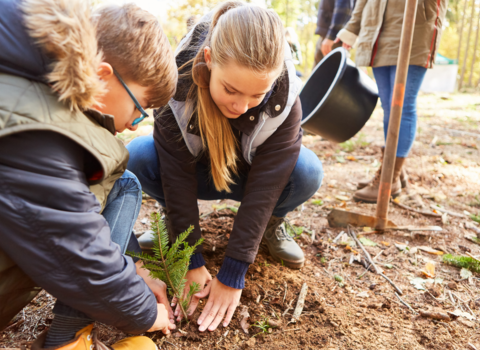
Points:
[341,14]
[51,227]
[271,168]
[350,32]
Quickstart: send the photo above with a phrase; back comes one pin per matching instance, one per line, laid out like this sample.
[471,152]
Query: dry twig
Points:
[426,213]
[300,302]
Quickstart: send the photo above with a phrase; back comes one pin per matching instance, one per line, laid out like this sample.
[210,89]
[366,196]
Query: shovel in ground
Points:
[343,218]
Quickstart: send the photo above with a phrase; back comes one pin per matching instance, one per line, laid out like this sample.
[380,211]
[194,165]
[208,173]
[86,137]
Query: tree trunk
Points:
[474,52]
[464,65]
[464,14]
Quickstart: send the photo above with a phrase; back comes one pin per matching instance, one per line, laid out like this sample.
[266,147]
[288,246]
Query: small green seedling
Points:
[263,325]
[317,202]
[475,217]
[170,264]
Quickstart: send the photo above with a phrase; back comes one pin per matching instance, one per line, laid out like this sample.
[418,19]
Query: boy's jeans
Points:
[121,212]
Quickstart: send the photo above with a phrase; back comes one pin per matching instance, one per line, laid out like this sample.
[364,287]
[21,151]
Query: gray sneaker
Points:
[281,245]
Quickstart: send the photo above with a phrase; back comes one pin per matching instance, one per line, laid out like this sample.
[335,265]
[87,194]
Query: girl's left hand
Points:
[223,300]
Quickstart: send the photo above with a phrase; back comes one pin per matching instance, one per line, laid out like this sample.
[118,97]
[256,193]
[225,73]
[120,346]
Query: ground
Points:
[347,307]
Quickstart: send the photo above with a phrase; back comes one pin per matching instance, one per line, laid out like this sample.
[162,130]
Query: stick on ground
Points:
[404,303]
[300,302]
[417,211]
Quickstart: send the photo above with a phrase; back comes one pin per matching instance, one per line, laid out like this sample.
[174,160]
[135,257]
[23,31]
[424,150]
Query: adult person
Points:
[232,130]
[376,27]
[67,206]
[332,16]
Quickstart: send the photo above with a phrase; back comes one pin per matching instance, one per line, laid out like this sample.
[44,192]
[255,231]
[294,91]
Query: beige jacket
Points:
[376,27]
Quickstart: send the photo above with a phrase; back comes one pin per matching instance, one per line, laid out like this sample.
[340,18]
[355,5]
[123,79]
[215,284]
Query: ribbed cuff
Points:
[233,272]
[196,261]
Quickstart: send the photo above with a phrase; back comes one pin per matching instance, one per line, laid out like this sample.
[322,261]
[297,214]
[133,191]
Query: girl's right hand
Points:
[162,323]
[202,277]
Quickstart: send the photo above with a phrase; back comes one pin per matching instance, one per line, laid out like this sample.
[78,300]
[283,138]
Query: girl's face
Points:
[236,89]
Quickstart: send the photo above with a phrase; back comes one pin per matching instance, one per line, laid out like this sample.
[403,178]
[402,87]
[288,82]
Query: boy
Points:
[64,192]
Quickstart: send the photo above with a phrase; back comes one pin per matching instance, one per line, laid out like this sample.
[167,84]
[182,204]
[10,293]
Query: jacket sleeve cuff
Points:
[233,272]
[196,261]
[347,37]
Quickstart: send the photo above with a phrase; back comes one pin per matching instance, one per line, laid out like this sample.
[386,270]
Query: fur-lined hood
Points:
[53,41]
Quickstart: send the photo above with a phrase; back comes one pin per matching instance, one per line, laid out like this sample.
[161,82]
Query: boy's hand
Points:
[202,277]
[159,288]
[162,323]
[223,300]
[327,46]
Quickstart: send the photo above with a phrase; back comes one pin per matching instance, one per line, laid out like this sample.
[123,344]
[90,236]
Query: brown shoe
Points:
[403,176]
[369,193]
[86,339]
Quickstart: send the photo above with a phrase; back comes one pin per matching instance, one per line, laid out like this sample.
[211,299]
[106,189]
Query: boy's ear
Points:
[105,71]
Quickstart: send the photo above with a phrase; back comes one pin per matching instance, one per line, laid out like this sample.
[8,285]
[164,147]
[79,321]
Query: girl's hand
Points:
[159,288]
[223,299]
[327,46]
[162,323]
[202,277]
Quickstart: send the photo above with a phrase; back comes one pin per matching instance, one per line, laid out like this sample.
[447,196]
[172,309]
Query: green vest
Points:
[26,105]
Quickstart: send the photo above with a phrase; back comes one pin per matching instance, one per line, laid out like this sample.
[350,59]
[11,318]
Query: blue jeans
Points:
[304,181]
[385,78]
[121,212]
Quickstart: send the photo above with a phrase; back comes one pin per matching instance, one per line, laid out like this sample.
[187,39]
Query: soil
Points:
[348,307]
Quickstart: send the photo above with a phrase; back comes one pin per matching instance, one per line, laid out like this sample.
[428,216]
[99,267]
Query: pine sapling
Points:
[170,264]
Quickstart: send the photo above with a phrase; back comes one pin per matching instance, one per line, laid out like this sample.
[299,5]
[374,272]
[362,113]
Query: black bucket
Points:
[338,98]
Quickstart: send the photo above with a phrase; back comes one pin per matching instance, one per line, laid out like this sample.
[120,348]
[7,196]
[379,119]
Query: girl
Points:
[377,26]
[231,131]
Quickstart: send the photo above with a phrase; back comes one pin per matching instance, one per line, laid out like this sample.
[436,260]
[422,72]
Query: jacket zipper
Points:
[434,36]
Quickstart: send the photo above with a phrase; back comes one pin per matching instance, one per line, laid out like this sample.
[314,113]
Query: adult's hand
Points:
[344,45]
[202,277]
[223,300]
[159,288]
[162,323]
[327,46]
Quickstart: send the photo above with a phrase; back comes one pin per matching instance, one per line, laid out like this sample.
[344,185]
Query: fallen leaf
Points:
[245,316]
[352,158]
[402,246]
[367,242]
[389,266]
[430,250]
[385,243]
[363,294]
[464,273]
[429,270]
[396,200]
[351,249]
[367,229]
[458,312]
[418,282]
[342,198]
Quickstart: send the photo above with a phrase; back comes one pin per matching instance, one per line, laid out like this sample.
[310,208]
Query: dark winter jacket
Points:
[50,160]
[332,16]
[268,171]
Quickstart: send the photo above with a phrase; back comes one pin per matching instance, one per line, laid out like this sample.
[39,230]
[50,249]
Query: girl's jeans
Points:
[385,78]
[304,181]
[121,212]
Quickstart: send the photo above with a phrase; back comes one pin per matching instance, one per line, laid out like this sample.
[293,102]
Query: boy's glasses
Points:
[140,108]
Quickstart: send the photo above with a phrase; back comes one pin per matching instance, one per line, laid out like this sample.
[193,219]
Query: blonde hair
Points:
[250,36]
[133,42]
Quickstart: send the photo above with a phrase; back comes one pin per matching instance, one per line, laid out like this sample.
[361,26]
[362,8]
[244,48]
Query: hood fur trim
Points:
[63,28]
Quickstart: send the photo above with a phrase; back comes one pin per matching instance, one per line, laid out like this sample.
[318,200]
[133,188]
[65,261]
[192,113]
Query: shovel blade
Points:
[343,218]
